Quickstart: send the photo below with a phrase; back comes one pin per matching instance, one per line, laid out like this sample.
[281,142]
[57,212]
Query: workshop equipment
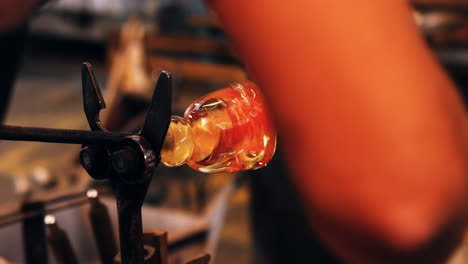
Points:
[126,159]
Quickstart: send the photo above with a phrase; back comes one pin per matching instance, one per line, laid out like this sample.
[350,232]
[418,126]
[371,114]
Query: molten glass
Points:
[226,130]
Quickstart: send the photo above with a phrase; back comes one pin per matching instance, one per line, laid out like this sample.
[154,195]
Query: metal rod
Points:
[60,135]
[34,235]
[59,242]
[35,213]
[62,198]
[102,228]
[131,232]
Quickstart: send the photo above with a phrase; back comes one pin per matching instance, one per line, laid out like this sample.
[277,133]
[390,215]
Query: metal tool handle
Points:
[102,228]
[131,232]
[67,136]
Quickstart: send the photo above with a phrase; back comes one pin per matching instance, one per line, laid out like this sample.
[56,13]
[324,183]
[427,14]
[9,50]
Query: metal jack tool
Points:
[128,164]
[126,159]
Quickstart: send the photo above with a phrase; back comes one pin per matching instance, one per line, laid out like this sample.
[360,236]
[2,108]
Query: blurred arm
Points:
[375,133]
[14,12]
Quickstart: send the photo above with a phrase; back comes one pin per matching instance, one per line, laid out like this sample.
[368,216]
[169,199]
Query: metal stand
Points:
[128,164]
[127,160]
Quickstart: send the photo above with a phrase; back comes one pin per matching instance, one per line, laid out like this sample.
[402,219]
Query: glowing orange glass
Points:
[226,130]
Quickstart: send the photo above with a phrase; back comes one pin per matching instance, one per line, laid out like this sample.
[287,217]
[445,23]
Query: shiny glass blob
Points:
[226,130]
[178,145]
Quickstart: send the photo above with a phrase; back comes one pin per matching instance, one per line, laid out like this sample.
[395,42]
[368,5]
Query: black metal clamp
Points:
[126,159]
[129,164]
